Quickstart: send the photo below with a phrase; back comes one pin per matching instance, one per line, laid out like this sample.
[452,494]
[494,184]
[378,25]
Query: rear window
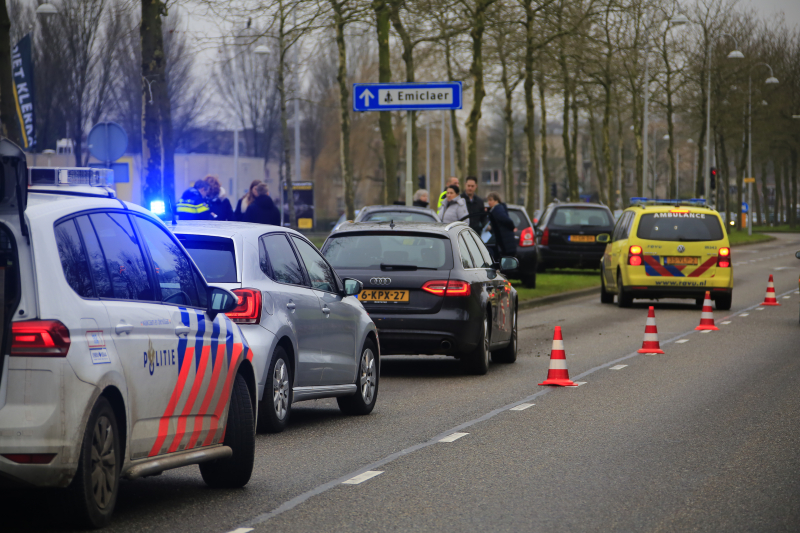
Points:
[398,250]
[398,216]
[581,216]
[215,256]
[684,227]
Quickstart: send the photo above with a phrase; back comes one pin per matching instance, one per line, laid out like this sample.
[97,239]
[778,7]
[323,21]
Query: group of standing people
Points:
[207,200]
[455,205]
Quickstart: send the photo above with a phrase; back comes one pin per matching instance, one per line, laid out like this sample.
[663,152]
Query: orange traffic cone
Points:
[769,299]
[558,373]
[650,344]
[707,315]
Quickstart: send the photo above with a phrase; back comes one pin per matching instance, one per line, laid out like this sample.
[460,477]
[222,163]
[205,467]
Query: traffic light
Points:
[553,190]
[713,178]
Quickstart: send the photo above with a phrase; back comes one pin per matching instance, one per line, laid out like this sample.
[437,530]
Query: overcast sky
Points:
[767,8]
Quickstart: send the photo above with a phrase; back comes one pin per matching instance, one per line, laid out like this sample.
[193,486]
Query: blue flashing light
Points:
[700,202]
[157,207]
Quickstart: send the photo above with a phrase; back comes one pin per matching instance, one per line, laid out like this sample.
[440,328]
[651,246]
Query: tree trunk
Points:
[287,149]
[623,197]
[456,135]
[344,108]
[701,142]
[787,195]
[476,71]
[637,138]
[385,118]
[574,189]
[725,172]
[572,181]
[9,123]
[609,168]
[508,122]
[530,109]
[776,168]
[408,59]
[543,137]
[758,213]
[673,172]
[740,175]
[596,164]
[793,200]
[153,87]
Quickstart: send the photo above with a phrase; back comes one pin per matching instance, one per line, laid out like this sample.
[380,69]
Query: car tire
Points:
[605,296]
[698,302]
[723,301]
[367,380]
[235,471]
[529,281]
[276,405]
[623,298]
[477,361]
[508,354]
[99,458]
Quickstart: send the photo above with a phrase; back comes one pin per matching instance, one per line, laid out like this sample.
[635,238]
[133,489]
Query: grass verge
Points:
[558,281]
[737,237]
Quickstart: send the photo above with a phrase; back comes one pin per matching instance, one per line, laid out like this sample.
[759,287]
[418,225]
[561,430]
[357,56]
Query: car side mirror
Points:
[797,255]
[508,264]
[603,238]
[352,286]
[221,301]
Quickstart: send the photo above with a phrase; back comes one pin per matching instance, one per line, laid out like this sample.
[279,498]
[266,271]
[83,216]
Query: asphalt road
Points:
[705,437]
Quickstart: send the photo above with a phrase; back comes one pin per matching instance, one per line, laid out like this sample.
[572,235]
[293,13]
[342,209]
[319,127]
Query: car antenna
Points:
[391,224]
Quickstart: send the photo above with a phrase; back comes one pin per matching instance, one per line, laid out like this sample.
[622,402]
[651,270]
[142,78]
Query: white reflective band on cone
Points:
[558,345]
[651,337]
[558,364]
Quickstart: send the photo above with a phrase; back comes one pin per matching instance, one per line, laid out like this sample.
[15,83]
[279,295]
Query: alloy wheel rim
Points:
[280,389]
[104,463]
[367,379]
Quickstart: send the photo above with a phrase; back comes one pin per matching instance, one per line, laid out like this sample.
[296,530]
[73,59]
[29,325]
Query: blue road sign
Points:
[107,141]
[406,96]
[745,207]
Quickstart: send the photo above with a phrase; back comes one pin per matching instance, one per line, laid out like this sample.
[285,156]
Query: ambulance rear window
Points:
[683,227]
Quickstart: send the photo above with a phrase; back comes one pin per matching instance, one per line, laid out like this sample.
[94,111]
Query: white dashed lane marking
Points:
[681,341]
[617,367]
[727,322]
[361,478]
[745,314]
[579,383]
[453,437]
[522,407]
[759,308]
[782,268]
[241,530]
[786,297]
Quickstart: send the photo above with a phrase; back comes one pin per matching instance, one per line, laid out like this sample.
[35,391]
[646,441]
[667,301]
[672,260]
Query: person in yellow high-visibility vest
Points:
[452,180]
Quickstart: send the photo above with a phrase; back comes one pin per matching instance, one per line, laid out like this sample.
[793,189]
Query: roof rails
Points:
[642,201]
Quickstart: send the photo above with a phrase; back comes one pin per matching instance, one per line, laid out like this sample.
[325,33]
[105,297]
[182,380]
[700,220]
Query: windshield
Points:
[679,227]
[373,250]
[581,216]
[398,216]
[214,256]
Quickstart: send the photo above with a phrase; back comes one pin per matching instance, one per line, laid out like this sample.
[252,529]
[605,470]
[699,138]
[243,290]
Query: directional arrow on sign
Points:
[366,95]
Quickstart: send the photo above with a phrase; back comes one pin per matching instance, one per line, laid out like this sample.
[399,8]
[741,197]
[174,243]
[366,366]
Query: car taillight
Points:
[30,458]
[635,256]
[526,237]
[724,258]
[544,240]
[442,287]
[39,338]
[248,310]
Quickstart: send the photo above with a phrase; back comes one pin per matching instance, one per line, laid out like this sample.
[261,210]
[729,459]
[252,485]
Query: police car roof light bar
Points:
[58,176]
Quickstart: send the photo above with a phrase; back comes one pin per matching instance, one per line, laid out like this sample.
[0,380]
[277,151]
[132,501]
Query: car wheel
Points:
[509,353]
[623,298]
[723,301]
[477,362]
[363,401]
[605,296]
[275,408]
[235,471]
[529,281]
[698,302]
[95,486]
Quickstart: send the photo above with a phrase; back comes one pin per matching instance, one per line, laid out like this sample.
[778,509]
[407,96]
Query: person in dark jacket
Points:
[262,210]
[193,204]
[420,198]
[477,211]
[244,201]
[217,201]
[502,227]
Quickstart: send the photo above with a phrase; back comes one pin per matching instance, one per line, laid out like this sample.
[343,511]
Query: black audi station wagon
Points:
[431,289]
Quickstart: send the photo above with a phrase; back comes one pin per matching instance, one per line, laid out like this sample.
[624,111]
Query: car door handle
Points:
[291,306]
[181,330]
[326,310]
[122,327]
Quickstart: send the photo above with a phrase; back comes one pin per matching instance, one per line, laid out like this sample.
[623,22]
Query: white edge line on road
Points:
[617,367]
[362,477]
[453,437]
[681,341]
[522,407]
[301,498]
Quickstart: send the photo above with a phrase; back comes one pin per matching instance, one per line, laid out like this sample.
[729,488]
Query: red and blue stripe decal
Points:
[653,267]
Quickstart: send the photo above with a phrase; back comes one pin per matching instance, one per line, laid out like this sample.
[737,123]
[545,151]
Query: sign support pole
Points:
[409,152]
[441,149]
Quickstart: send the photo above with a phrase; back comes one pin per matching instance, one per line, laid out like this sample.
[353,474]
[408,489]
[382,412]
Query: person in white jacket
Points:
[454,207]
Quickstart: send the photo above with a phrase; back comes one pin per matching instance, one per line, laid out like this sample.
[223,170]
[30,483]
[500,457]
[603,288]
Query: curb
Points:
[555,298]
[772,238]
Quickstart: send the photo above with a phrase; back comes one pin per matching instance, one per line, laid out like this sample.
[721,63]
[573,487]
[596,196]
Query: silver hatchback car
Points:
[309,336]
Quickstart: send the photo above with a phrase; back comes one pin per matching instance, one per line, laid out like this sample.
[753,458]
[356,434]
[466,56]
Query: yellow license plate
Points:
[681,260]
[581,238]
[383,295]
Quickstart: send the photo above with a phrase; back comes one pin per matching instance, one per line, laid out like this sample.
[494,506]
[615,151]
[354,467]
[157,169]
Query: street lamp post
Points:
[772,80]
